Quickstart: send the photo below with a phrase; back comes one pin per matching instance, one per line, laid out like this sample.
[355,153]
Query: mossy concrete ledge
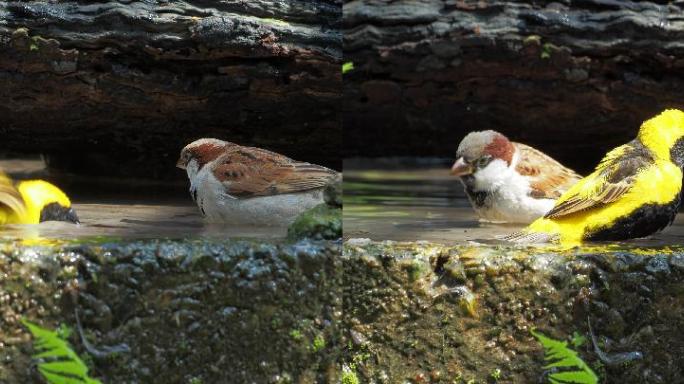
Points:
[428,313]
[324,221]
[188,311]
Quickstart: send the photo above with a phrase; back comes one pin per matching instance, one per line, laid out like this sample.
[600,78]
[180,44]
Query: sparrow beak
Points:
[461,168]
[180,164]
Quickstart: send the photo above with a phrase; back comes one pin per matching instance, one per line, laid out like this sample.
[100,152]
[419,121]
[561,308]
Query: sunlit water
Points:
[138,221]
[410,203]
[109,209]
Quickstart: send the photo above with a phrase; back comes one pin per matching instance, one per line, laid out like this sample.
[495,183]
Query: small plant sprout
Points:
[318,343]
[347,67]
[564,364]
[496,375]
[57,362]
[296,334]
[577,340]
[349,375]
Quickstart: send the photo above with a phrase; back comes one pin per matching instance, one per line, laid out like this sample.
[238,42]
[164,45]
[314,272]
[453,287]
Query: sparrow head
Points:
[201,151]
[664,136]
[46,202]
[478,149]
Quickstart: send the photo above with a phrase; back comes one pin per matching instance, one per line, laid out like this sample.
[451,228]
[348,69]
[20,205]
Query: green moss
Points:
[546,50]
[318,343]
[320,222]
[296,335]
[349,376]
[415,270]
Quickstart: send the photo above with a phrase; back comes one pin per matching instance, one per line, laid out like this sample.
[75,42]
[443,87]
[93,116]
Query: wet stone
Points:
[627,261]
[181,313]
[658,265]
[677,261]
[424,320]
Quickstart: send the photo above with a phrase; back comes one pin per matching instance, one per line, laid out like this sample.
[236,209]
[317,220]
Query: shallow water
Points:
[424,202]
[125,210]
[128,221]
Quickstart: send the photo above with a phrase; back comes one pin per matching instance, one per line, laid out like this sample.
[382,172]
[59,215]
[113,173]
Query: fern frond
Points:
[570,368]
[58,363]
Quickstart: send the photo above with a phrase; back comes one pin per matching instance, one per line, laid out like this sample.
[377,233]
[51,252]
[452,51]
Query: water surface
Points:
[128,209]
[420,200]
[133,220]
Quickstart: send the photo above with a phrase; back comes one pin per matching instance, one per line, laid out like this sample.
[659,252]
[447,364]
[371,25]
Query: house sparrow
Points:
[33,202]
[246,185]
[507,181]
[633,192]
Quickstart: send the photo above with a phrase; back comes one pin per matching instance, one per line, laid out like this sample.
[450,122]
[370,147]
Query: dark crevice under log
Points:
[118,88]
[570,77]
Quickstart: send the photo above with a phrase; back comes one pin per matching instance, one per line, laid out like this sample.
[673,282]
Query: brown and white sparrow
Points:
[247,185]
[507,181]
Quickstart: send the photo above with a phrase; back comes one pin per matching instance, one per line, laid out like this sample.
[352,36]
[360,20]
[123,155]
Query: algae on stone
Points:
[321,222]
[417,322]
[222,311]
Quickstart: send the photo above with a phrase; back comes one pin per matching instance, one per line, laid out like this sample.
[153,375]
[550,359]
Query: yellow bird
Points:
[633,192]
[32,202]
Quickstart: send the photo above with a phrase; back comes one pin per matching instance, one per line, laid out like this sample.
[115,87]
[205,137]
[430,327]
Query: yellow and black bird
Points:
[33,202]
[633,192]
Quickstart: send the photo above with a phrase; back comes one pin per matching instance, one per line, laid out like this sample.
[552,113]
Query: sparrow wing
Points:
[249,172]
[548,178]
[614,176]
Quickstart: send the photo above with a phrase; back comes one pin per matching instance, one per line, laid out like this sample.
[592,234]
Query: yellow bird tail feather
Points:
[11,198]
[530,237]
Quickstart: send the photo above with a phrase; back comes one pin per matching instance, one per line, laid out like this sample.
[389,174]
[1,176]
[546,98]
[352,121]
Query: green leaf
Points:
[57,362]
[558,355]
[578,339]
[347,67]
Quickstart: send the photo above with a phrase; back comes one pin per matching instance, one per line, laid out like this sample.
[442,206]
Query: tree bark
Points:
[571,77]
[119,87]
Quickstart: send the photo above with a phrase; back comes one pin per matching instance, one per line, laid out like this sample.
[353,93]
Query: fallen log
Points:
[119,87]
[569,77]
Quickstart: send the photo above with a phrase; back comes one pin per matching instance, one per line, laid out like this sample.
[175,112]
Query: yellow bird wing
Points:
[614,176]
[11,202]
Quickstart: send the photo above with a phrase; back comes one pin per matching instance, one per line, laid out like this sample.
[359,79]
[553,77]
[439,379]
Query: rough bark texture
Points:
[570,77]
[119,87]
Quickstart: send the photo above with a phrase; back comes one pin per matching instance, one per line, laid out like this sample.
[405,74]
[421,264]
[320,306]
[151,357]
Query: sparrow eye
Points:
[483,161]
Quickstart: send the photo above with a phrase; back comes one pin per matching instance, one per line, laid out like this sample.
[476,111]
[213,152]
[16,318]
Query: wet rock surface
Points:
[318,312]
[130,83]
[568,76]
[324,221]
[426,313]
[190,311]
[321,222]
